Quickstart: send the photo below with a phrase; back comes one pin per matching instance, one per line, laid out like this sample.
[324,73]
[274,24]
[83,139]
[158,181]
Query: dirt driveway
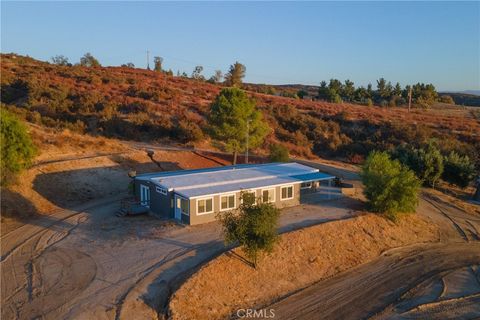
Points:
[90,264]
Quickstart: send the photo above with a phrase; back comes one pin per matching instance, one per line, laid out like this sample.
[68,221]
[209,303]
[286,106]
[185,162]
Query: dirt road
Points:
[436,281]
[365,291]
[90,264]
[85,263]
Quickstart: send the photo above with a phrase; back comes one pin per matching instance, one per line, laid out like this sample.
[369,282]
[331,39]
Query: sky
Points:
[278,42]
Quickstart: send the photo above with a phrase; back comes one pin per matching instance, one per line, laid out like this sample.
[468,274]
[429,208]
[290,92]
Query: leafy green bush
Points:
[278,153]
[459,170]
[427,162]
[17,148]
[253,226]
[390,188]
[447,99]
[89,61]
[188,131]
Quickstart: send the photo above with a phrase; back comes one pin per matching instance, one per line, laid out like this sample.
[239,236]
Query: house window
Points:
[306,185]
[161,190]
[268,195]
[227,202]
[184,206]
[204,206]
[286,193]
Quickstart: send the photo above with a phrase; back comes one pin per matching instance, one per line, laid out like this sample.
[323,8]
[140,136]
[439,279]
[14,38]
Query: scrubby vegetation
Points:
[138,104]
[429,164]
[458,170]
[426,162]
[17,148]
[390,187]
[253,226]
[278,153]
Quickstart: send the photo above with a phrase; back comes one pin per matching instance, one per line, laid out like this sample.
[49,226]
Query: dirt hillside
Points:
[143,105]
[73,169]
[300,259]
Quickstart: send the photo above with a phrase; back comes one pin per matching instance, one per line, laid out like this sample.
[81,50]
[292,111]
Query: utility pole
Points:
[148,60]
[248,135]
[409,99]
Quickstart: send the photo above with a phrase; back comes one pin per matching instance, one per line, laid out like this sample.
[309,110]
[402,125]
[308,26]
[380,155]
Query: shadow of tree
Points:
[16,206]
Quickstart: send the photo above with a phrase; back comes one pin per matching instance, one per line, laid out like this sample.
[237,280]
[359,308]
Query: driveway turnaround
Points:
[89,263]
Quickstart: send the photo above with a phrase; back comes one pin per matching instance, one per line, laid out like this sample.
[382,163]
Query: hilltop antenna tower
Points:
[148,60]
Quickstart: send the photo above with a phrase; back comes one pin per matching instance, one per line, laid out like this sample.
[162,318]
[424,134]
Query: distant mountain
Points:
[466,98]
[473,92]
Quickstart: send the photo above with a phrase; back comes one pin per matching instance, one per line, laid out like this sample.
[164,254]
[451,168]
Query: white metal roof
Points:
[194,183]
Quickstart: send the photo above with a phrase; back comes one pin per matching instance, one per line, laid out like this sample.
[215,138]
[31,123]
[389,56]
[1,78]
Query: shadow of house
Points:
[70,188]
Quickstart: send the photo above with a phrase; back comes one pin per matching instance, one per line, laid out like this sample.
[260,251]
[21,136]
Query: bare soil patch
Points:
[300,259]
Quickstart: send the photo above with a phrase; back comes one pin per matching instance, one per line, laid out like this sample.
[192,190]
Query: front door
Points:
[144,196]
[178,207]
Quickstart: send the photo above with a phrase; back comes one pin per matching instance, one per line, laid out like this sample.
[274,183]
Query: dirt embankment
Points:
[300,259]
[73,169]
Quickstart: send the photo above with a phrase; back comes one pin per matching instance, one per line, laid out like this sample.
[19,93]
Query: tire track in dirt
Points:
[27,254]
[365,291]
[171,256]
[327,297]
[44,223]
[459,229]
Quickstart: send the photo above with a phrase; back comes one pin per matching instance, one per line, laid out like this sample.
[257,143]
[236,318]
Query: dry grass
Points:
[300,259]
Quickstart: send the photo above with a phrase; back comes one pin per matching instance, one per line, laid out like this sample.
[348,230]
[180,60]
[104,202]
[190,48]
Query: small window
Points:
[268,195]
[161,190]
[306,185]
[227,202]
[287,193]
[204,206]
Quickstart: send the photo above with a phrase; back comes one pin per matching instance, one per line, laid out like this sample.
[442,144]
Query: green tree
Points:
[278,153]
[197,73]
[235,75]
[397,90]
[89,61]
[384,89]
[157,64]
[458,170]
[60,60]
[17,147]
[302,93]
[348,90]
[231,114]
[390,188]
[323,92]
[426,162]
[253,227]
[128,65]
[217,77]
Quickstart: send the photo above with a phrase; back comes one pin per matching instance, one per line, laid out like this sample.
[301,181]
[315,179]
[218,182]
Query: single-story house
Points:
[196,196]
